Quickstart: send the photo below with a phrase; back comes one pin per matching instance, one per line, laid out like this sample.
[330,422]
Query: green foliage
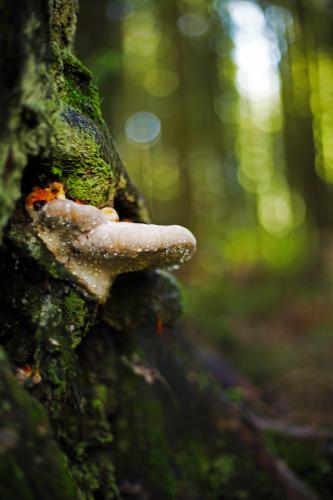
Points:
[210,473]
[308,460]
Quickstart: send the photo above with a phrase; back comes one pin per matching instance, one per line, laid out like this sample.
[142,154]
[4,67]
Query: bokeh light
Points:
[255,53]
[161,82]
[143,129]
[192,25]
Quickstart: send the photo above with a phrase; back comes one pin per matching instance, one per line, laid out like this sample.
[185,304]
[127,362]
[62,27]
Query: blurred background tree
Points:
[223,113]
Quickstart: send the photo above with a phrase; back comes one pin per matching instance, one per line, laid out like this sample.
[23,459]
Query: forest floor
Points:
[269,341]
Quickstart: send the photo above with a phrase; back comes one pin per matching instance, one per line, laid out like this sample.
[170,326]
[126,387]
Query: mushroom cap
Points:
[114,239]
[62,214]
[96,249]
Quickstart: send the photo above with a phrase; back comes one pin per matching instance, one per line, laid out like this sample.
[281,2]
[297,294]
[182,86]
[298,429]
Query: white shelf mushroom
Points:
[95,248]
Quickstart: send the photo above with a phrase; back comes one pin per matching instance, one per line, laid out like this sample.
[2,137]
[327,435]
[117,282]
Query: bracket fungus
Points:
[95,247]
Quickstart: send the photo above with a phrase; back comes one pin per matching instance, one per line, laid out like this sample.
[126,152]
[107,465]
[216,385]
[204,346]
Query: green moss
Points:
[63,22]
[26,240]
[79,90]
[89,181]
[75,313]
[32,457]
[97,480]
[55,356]
[89,437]
[159,464]
[79,152]
[25,114]
[78,162]
[88,104]
[142,447]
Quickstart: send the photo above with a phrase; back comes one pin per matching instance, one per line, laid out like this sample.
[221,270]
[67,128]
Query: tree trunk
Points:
[96,402]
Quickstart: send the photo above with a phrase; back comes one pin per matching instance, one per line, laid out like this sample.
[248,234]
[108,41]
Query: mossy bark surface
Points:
[96,403]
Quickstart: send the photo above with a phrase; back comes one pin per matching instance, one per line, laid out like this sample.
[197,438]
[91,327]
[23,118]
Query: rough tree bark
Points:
[96,402]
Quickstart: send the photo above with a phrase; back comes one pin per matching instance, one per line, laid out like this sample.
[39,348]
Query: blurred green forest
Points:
[223,114]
